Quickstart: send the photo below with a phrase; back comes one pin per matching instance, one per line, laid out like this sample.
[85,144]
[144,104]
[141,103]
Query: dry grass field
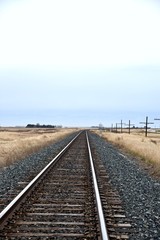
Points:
[147,149]
[16,143]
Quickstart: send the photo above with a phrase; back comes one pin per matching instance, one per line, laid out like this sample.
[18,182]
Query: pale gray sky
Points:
[79,63]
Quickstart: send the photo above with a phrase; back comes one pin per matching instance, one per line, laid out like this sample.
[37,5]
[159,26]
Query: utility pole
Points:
[129,126]
[146,125]
[111,130]
[121,123]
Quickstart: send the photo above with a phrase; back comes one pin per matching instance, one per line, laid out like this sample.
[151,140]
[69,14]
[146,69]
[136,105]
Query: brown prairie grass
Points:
[16,144]
[147,149]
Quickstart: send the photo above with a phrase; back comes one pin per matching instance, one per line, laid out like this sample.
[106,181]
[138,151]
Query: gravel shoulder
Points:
[140,193]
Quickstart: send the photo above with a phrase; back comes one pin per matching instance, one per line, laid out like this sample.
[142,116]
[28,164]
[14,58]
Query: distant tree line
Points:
[39,126]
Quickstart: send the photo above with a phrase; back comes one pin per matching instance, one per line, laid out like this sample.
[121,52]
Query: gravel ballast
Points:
[139,192]
[18,172]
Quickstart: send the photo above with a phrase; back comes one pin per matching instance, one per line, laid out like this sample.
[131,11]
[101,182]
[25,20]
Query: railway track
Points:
[70,199]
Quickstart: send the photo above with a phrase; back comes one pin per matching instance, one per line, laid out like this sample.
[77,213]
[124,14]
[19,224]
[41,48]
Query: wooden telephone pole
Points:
[121,123]
[129,126]
[146,125]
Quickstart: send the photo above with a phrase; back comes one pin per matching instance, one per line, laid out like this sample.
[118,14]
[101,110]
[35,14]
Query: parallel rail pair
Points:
[17,202]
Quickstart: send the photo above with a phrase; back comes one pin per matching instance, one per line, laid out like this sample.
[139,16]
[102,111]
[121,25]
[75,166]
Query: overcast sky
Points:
[79,63]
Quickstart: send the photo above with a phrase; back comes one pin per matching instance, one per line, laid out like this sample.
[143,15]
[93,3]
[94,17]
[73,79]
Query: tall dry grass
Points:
[148,149]
[16,144]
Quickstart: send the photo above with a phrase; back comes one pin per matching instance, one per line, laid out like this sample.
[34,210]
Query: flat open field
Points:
[16,143]
[146,148]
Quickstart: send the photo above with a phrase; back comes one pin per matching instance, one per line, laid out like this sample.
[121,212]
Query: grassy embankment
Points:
[15,144]
[147,149]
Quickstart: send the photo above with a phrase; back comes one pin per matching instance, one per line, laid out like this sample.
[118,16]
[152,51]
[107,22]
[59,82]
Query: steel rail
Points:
[104,233]
[13,204]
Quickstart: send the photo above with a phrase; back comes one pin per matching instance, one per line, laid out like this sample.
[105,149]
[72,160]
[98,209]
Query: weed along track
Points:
[70,199]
